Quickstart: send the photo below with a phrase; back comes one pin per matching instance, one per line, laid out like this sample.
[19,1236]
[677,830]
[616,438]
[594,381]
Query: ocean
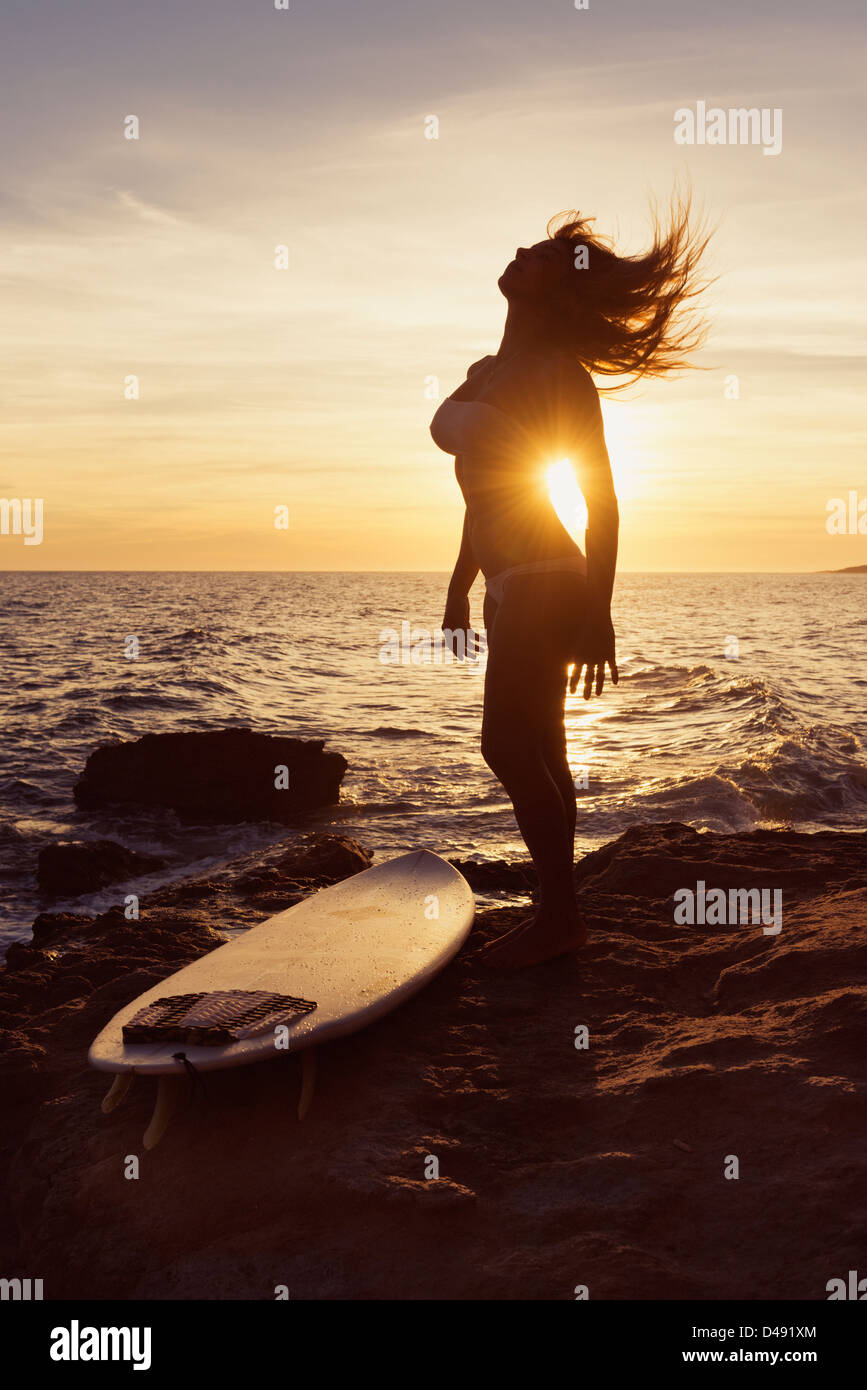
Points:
[741,704]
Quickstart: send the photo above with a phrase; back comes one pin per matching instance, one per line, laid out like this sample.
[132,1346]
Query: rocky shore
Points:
[561,1164]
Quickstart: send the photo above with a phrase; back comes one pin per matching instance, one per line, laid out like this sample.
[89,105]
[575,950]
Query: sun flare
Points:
[567,499]
[626,457]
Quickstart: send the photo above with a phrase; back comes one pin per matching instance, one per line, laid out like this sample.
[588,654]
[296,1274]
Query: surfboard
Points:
[356,951]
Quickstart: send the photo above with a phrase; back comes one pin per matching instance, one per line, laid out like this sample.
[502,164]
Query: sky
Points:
[149,264]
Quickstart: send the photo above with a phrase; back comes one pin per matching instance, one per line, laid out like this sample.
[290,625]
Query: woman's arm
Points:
[595,645]
[466,568]
[457,615]
[603,524]
[456,619]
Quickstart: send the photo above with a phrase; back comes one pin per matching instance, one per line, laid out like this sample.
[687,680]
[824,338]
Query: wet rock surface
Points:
[221,776]
[78,867]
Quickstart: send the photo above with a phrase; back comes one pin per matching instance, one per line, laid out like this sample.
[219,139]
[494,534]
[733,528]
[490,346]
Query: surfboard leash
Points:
[196,1079]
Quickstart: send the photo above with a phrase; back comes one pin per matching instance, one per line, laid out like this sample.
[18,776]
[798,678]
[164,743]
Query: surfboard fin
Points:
[168,1091]
[308,1081]
[118,1089]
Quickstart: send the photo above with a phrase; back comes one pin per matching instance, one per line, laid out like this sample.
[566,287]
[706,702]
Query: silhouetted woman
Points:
[574,307]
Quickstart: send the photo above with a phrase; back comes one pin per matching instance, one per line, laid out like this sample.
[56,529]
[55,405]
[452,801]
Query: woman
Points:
[574,307]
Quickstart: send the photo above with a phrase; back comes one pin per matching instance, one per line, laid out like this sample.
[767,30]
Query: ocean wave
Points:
[810,779]
[192,641]
[754,702]
[18,789]
[786,769]
[758,703]
[345,808]
[16,852]
[204,685]
[385,732]
[77,719]
[148,700]
[653,672]
[713,801]
[257,636]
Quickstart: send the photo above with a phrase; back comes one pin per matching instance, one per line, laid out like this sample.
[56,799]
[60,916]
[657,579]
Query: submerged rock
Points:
[224,776]
[83,866]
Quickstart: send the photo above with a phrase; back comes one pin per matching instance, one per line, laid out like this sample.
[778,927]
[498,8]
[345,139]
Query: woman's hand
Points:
[593,651]
[456,619]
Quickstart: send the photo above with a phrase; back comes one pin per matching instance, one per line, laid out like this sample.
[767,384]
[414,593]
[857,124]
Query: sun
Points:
[626,457]
[567,499]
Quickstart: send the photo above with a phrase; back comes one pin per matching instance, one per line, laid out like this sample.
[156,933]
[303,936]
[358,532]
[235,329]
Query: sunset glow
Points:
[237,311]
[568,501]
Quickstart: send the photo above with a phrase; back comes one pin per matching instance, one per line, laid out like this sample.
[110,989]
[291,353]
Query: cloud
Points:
[146,211]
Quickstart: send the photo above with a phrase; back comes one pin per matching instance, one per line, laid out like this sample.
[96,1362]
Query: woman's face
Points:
[537,270]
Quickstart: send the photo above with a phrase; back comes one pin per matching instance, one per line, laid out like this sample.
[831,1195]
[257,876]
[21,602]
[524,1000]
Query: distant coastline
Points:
[853,569]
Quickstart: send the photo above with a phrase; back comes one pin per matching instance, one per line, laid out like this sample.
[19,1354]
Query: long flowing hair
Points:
[631,316]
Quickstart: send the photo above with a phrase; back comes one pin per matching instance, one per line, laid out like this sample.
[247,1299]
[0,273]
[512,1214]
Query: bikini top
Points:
[470,427]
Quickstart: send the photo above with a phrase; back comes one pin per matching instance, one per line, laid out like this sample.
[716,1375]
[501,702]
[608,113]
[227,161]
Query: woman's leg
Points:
[523,742]
[556,759]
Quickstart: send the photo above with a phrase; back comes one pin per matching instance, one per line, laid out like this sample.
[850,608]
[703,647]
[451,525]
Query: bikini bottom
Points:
[571,564]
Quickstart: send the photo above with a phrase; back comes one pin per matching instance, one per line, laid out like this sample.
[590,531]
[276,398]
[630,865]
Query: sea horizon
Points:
[621,571]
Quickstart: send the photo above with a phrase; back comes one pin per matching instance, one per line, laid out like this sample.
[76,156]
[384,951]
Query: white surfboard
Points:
[357,950]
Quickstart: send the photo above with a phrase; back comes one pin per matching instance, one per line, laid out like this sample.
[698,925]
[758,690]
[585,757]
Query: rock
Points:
[83,866]
[21,957]
[284,879]
[654,861]
[557,1165]
[497,875]
[19,1069]
[49,926]
[222,776]
[271,892]
[326,858]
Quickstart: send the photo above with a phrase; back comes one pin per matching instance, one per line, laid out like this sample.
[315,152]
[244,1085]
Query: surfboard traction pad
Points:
[214,1018]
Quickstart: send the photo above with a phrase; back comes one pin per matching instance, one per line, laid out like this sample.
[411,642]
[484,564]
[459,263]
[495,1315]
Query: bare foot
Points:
[552,932]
